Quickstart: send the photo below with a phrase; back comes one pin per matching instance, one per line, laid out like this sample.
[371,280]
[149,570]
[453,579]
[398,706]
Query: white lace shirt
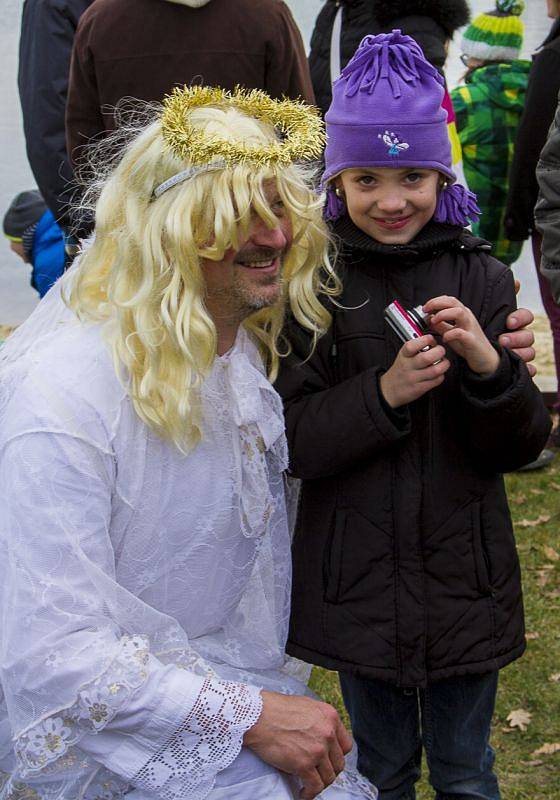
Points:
[145,593]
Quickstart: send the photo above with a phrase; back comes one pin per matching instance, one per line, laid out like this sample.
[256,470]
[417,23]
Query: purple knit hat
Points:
[387,111]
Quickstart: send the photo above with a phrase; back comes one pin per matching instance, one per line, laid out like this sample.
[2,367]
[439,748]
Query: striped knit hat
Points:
[496,35]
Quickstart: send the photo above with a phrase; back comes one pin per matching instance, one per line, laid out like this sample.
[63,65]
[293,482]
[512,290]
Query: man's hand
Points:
[413,372]
[302,737]
[518,339]
[460,329]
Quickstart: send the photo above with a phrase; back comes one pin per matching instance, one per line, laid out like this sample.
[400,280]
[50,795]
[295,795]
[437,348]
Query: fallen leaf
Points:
[519,718]
[543,576]
[551,553]
[554,486]
[536,491]
[547,749]
[555,677]
[536,763]
[532,635]
[531,523]
[508,730]
[519,499]
[554,594]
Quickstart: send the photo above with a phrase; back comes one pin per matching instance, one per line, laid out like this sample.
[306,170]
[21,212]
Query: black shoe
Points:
[543,460]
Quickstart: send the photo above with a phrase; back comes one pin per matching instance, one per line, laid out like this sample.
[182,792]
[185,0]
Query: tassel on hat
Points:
[393,56]
[456,206]
[334,206]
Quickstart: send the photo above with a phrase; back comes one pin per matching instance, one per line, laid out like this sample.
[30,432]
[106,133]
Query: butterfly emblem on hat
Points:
[393,143]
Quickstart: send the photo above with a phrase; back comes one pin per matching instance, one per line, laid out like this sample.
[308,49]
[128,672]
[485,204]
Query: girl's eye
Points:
[413,177]
[366,180]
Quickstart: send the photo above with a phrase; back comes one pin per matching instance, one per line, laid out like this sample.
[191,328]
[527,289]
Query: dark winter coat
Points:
[540,104]
[143,48]
[45,48]
[547,210]
[405,566]
[431,22]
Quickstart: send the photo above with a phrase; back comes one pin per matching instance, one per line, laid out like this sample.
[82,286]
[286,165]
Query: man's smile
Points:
[268,263]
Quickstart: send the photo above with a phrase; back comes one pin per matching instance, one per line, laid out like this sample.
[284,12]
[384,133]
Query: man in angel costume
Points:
[145,563]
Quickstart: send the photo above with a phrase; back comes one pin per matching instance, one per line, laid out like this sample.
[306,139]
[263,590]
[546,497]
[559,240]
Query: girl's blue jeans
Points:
[450,719]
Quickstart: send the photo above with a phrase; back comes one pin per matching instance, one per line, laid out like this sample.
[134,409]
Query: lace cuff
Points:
[207,742]
[96,705]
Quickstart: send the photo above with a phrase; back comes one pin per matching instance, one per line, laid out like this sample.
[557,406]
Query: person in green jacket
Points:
[488,109]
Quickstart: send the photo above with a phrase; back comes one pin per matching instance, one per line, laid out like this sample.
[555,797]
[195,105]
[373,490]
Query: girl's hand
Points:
[460,329]
[413,373]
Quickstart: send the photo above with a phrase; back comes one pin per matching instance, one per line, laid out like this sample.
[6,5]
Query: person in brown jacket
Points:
[143,48]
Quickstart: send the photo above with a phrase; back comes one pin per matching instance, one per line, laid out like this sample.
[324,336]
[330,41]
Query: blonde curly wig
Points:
[142,274]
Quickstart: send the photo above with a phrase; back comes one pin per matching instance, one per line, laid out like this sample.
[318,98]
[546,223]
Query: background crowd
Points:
[14,282]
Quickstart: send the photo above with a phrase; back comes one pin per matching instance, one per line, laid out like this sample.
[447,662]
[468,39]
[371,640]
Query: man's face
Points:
[250,278]
[553,8]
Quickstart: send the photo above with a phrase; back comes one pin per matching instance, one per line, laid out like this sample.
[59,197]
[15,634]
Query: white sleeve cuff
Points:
[177,733]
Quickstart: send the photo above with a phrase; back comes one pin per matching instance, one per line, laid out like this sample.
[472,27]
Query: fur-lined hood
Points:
[450,14]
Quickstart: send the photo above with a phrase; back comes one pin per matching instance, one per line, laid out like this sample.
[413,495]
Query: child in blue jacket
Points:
[35,236]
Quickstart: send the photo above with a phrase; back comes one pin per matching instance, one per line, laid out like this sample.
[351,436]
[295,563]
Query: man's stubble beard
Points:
[251,300]
[244,300]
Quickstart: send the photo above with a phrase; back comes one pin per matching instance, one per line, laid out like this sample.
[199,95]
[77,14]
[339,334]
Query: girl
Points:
[406,577]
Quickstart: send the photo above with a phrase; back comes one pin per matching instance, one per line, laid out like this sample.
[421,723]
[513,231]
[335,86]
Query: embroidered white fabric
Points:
[181,769]
[145,593]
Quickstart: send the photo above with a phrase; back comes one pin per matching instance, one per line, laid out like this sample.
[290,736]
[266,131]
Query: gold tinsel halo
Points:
[299,124]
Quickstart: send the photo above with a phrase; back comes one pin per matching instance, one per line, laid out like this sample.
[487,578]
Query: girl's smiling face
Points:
[390,205]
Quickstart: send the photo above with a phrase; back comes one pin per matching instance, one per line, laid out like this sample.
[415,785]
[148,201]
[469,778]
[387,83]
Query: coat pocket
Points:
[357,561]
[332,562]
[480,553]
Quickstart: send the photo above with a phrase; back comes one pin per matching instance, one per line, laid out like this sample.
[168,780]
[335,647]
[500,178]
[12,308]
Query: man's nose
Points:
[275,238]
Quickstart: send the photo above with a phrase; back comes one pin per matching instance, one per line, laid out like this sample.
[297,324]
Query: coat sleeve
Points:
[287,70]
[83,111]
[540,105]
[547,210]
[332,426]
[67,668]
[47,32]
[320,55]
[506,422]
